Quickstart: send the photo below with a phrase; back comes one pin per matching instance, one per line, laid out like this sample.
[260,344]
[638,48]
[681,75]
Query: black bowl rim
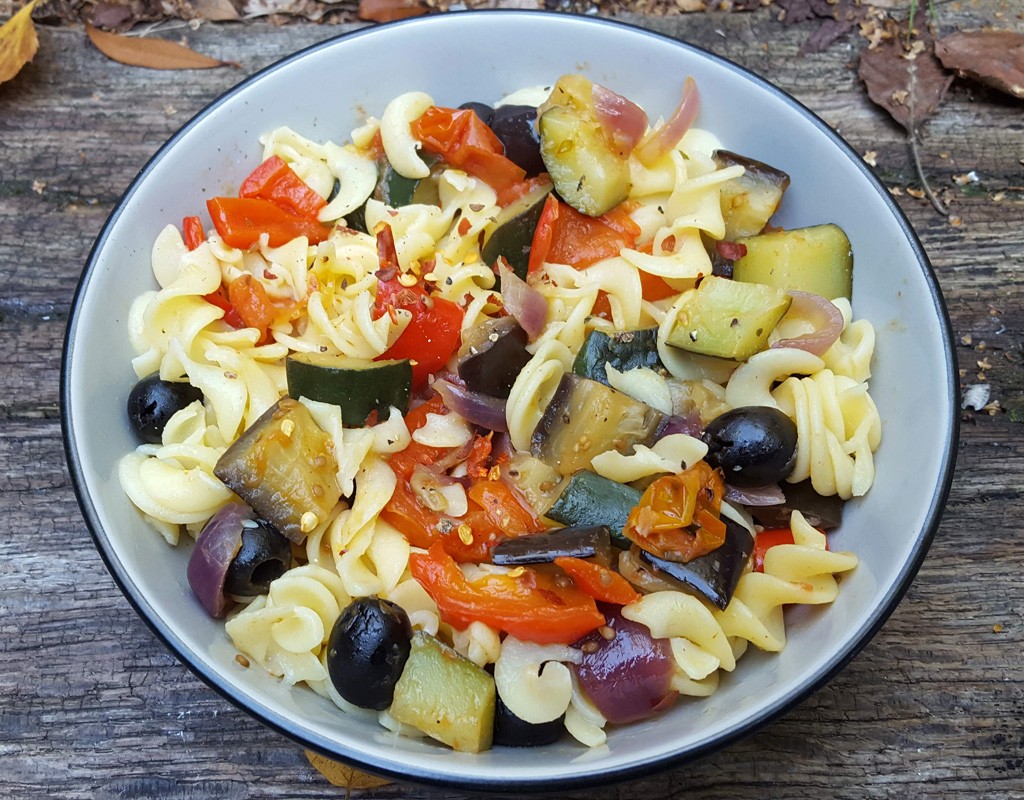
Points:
[499,785]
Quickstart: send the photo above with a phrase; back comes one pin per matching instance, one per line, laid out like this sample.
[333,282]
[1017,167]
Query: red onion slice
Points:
[215,549]
[823,315]
[627,677]
[660,141]
[758,496]
[522,301]
[624,122]
[688,424]
[480,409]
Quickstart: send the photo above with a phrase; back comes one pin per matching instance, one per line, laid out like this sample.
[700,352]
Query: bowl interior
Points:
[459,57]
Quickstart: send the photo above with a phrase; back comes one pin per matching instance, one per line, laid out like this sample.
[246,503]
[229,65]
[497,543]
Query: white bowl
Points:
[481,56]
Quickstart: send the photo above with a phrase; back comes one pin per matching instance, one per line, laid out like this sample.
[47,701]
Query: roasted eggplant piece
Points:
[516,127]
[586,418]
[492,355]
[544,548]
[749,201]
[624,350]
[819,511]
[714,575]
[284,467]
[589,499]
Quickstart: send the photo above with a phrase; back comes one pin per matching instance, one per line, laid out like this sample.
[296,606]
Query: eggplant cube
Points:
[284,467]
[586,418]
[713,575]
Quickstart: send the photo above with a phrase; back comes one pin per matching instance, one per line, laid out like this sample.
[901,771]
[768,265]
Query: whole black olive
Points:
[367,651]
[516,127]
[484,111]
[264,556]
[753,445]
[513,731]
[152,402]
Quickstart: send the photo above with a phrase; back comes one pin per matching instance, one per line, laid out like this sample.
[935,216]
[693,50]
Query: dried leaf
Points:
[909,84]
[796,11]
[113,17]
[995,58]
[140,51]
[215,10]
[306,9]
[18,42]
[390,10]
[836,19]
[340,775]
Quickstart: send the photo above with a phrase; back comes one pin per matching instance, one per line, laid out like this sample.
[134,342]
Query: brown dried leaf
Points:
[113,17]
[995,58]
[340,775]
[836,18]
[18,42]
[390,10]
[215,10]
[909,84]
[140,51]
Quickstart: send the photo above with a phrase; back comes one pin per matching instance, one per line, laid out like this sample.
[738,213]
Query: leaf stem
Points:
[912,140]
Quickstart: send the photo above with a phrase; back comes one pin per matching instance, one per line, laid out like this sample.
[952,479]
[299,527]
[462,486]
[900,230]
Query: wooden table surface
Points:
[93,706]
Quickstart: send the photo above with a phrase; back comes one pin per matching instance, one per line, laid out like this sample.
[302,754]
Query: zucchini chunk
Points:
[727,318]
[713,575]
[359,386]
[586,418]
[818,259]
[587,171]
[396,190]
[624,350]
[749,201]
[512,237]
[284,467]
[590,500]
[446,696]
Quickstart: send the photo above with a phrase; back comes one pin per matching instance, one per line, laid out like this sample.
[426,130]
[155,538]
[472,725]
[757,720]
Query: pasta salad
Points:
[503,423]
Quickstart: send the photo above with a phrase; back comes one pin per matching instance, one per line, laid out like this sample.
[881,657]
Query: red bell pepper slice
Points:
[220,299]
[277,182]
[496,510]
[528,605]
[192,232]
[241,220]
[462,139]
[601,583]
[565,236]
[767,539]
[435,330]
[543,234]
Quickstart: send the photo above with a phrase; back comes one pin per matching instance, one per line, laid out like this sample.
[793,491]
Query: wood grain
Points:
[93,706]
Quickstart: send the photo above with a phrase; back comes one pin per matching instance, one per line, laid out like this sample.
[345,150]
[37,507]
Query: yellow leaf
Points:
[139,51]
[341,775]
[18,42]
